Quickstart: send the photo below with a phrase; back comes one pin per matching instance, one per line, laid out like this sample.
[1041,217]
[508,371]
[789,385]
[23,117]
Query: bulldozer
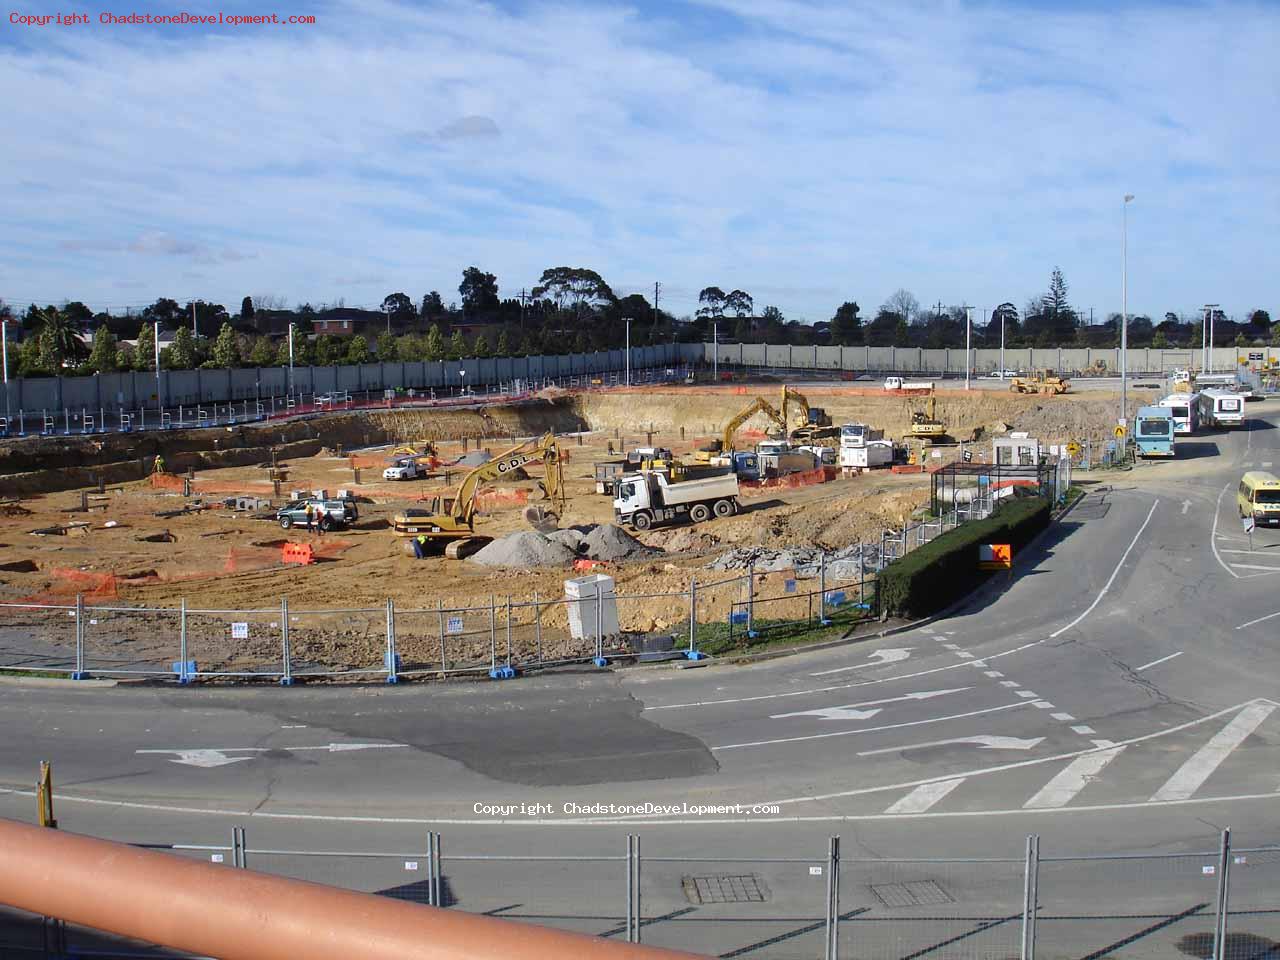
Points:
[448,522]
[925,425]
[1044,382]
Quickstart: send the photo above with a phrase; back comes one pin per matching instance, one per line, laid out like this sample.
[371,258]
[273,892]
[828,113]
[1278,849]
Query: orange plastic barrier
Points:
[804,479]
[300,553]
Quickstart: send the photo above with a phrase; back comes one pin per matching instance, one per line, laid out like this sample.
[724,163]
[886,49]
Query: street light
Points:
[968,330]
[463,375]
[1124,313]
[715,350]
[628,351]
[1210,316]
[4,347]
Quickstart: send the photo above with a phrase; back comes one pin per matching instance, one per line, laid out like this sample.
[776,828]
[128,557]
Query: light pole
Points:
[289,386]
[1213,323]
[462,374]
[1124,313]
[968,331]
[628,351]
[156,338]
[4,348]
[1002,366]
[715,351]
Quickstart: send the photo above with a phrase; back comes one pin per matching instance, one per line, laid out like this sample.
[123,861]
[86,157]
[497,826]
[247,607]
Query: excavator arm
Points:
[792,395]
[758,405]
[464,502]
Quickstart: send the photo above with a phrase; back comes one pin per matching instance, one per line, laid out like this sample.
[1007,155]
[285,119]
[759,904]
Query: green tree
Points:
[479,291]
[226,348]
[389,346]
[182,352]
[1241,340]
[504,344]
[575,288]
[30,361]
[433,347]
[901,335]
[325,350]
[58,338]
[581,344]
[358,350]
[432,306]
[457,346]
[740,302]
[846,325]
[399,308]
[103,356]
[145,352]
[263,353]
[711,300]
[125,357]
[246,309]
[481,347]
[408,348]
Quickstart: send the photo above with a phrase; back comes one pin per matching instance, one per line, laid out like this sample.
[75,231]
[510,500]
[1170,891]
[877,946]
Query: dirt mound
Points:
[571,538]
[686,540]
[609,542]
[524,549]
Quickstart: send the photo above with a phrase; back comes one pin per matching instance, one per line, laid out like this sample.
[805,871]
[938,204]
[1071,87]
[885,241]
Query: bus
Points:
[1186,415]
[1259,497]
[1220,408]
[1153,432]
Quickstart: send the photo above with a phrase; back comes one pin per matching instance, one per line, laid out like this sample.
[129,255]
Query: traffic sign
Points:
[995,556]
[454,625]
[1119,433]
[1073,449]
[1248,523]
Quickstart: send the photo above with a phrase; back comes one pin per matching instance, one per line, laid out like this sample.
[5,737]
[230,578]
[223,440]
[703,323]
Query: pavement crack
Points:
[271,785]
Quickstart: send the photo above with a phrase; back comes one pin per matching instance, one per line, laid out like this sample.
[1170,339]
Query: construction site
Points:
[461,508]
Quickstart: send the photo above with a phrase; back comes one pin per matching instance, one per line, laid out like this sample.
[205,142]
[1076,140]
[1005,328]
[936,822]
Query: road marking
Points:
[1191,775]
[1254,566]
[891,726]
[951,646]
[983,742]
[849,711]
[1114,573]
[1156,663]
[964,656]
[878,658]
[1213,541]
[1186,505]
[1062,717]
[1103,744]
[1250,552]
[993,674]
[261,814]
[204,758]
[217,756]
[1070,780]
[981,664]
[1084,729]
[1042,704]
[1269,616]
[1010,683]
[925,796]
[1028,694]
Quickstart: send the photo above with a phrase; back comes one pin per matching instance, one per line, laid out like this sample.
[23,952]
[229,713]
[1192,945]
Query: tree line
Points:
[570,310]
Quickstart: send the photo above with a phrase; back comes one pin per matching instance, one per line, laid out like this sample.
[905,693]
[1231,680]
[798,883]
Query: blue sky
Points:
[807,153]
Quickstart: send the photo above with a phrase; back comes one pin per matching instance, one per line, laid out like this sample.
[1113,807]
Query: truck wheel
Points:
[286,522]
[723,508]
[642,521]
[699,513]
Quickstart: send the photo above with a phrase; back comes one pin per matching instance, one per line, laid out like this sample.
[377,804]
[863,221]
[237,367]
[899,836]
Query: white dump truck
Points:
[897,383]
[650,497]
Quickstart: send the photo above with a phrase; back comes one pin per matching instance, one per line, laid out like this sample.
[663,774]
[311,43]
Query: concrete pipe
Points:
[236,914]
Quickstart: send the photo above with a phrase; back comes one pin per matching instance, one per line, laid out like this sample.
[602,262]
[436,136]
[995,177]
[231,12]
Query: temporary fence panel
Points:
[1139,906]
[1252,927]
[404,875]
[774,909]
[124,641]
[336,642]
[236,643]
[38,636]
[961,909]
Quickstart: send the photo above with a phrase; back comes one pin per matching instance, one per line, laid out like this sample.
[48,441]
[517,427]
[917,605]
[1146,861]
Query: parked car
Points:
[1001,374]
[342,513]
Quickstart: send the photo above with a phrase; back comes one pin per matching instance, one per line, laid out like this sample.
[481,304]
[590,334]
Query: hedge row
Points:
[934,576]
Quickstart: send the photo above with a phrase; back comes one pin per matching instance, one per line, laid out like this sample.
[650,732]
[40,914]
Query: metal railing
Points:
[1216,904]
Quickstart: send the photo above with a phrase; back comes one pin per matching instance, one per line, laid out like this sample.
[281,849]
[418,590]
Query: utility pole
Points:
[523,301]
[628,351]
[715,351]
[156,330]
[195,329]
[1124,312]
[968,331]
[656,285]
[4,347]
[1210,310]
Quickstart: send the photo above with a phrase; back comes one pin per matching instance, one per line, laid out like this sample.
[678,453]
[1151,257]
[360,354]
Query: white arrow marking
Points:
[849,711]
[985,742]
[878,658]
[1186,505]
[218,757]
[205,758]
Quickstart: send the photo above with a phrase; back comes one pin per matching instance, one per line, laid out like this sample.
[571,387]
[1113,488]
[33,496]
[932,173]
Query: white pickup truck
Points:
[897,383]
[405,470]
[650,497]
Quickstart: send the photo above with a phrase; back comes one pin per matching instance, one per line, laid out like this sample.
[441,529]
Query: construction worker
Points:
[420,546]
[310,518]
[323,520]
[159,465]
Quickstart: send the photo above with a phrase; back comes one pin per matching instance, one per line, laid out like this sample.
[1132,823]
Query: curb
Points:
[55,682]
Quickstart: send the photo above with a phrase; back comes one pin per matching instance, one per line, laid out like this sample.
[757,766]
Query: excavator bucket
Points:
[541,519]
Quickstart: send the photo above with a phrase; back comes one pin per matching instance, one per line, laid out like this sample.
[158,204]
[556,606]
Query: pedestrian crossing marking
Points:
[1188,778]
[1071,779]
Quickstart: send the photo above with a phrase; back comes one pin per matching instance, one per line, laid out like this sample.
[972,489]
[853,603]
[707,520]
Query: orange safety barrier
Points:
[803,479]
[301,553]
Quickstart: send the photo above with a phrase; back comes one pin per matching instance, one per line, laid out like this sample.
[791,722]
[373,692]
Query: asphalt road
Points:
[1119,693]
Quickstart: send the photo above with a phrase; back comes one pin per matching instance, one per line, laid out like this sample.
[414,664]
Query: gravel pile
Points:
[610,542]
[843,564]
[524,549]
[570,537]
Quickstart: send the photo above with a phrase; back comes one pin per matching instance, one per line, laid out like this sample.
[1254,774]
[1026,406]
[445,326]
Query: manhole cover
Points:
[914,894]
[725,888]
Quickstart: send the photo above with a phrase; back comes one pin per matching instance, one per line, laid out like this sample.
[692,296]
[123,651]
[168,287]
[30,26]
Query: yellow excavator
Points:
[925,424]
[725,443]
[448,522]
[811,424]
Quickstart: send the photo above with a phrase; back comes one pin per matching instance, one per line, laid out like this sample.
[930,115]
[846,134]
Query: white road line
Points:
[951,646]
[849,733]
[980,664]
[1191,776]
[1269,616]
[1254,566]
[924,796]
[1030,695]
[1103,743]
[1042,704]
[993,674]
[1114,573]
[1010,683]
[1070,780]
[1156,663]
[964,656]
[1250,552]
[1213,540]
[1084,729]
[1062,717]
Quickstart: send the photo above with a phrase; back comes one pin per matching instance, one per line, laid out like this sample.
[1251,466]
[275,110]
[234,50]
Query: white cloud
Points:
[807,153]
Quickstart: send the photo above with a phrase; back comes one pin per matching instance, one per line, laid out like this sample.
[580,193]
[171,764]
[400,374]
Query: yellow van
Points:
[1259,497]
